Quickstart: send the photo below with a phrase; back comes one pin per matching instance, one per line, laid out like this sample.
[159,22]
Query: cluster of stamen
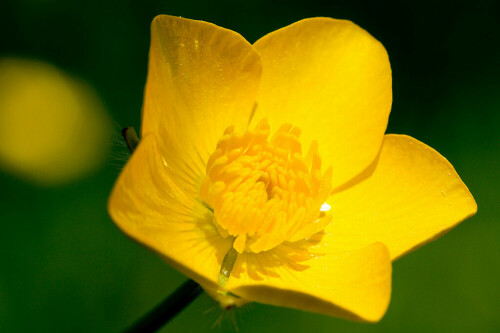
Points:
[264,192]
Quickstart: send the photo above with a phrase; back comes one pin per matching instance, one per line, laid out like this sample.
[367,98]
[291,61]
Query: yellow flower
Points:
[272,157]
[53,127]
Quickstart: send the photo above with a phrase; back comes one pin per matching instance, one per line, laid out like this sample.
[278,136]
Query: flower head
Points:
[264,173]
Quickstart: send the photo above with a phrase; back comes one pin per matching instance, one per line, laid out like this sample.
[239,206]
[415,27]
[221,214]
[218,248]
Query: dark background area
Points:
[66,267]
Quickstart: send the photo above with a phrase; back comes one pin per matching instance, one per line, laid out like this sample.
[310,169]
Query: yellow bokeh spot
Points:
[264,192]
[53,128]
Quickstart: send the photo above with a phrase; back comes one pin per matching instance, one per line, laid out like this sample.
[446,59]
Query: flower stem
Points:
[168,309]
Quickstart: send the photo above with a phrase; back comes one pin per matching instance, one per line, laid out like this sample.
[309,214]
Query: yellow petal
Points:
[149,205]
[412,197]
[201,79]
[354,285]
[333,80]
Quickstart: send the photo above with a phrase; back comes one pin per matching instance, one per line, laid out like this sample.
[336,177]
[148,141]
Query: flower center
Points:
[264,192]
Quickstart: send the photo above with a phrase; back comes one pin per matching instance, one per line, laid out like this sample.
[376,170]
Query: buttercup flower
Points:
[53,127]
[264,173]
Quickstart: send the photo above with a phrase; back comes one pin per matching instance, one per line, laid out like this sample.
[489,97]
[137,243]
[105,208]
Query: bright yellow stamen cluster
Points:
[263,192]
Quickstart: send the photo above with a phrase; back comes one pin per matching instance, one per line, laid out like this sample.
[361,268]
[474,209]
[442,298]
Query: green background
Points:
[66,267]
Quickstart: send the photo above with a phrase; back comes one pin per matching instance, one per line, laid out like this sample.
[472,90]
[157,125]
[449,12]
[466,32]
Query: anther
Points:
[264,191]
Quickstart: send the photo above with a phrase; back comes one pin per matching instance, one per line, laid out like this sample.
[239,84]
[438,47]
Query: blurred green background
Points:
[65,267]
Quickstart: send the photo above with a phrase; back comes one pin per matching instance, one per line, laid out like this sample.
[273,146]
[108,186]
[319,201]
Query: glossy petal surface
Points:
[354,285]
[412,197]
[149,205]
[333,80]
[202,78]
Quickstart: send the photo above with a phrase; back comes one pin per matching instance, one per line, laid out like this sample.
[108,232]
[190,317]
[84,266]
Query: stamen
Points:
[264,192]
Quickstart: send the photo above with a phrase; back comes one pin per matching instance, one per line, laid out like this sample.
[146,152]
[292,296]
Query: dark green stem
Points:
[167,309]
